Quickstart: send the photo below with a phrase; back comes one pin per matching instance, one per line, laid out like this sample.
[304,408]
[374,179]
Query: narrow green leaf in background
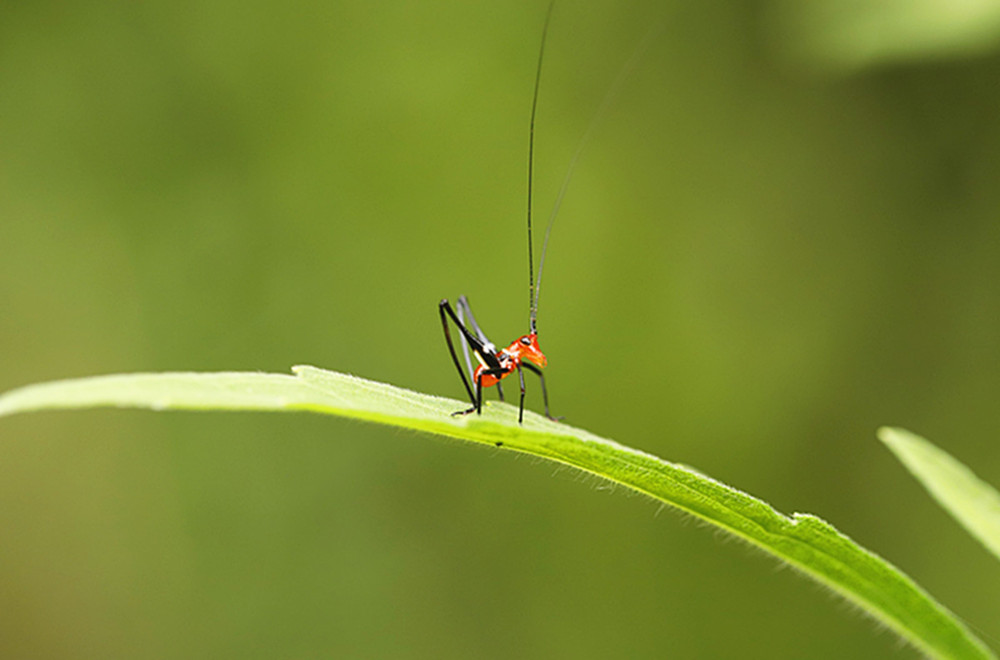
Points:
[846,35]
[971,501]
[802,540]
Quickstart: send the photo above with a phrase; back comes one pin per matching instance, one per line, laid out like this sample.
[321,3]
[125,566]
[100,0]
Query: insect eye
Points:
[525,341]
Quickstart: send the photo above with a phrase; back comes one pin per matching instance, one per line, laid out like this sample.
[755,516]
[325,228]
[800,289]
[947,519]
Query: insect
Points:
[524,352]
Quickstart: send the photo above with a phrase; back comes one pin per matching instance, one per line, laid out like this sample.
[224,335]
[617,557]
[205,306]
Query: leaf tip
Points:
[884,431]
[893,435]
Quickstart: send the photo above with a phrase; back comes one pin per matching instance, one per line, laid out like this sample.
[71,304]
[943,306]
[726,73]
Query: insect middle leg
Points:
[478,405]
[520,408]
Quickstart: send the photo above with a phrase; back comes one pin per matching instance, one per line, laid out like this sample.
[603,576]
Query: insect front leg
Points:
[545,393]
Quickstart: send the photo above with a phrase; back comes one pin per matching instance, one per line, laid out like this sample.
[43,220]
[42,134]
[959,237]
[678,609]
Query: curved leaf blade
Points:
[804,541]
[971,501]
[846,36]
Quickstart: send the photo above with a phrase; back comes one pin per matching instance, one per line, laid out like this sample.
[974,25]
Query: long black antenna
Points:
[602,111]
[532,298]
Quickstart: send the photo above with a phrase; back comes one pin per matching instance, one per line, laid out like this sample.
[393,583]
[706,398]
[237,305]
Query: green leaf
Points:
[802,540]
[972,502]
[844,34]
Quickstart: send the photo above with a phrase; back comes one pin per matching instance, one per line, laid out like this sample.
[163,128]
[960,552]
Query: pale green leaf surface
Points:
[802,540]
[848,35]
[971,501]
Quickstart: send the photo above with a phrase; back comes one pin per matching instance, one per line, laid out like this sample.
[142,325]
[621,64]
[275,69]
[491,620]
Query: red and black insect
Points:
[524,352]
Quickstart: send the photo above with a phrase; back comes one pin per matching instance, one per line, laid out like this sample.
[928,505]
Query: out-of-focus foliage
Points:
[775,264]
[850,34]
[972,502]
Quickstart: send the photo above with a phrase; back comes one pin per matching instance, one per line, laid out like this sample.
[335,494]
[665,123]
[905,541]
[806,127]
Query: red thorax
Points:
[522,348]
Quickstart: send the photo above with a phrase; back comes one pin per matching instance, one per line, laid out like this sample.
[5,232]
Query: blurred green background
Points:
[783,236]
